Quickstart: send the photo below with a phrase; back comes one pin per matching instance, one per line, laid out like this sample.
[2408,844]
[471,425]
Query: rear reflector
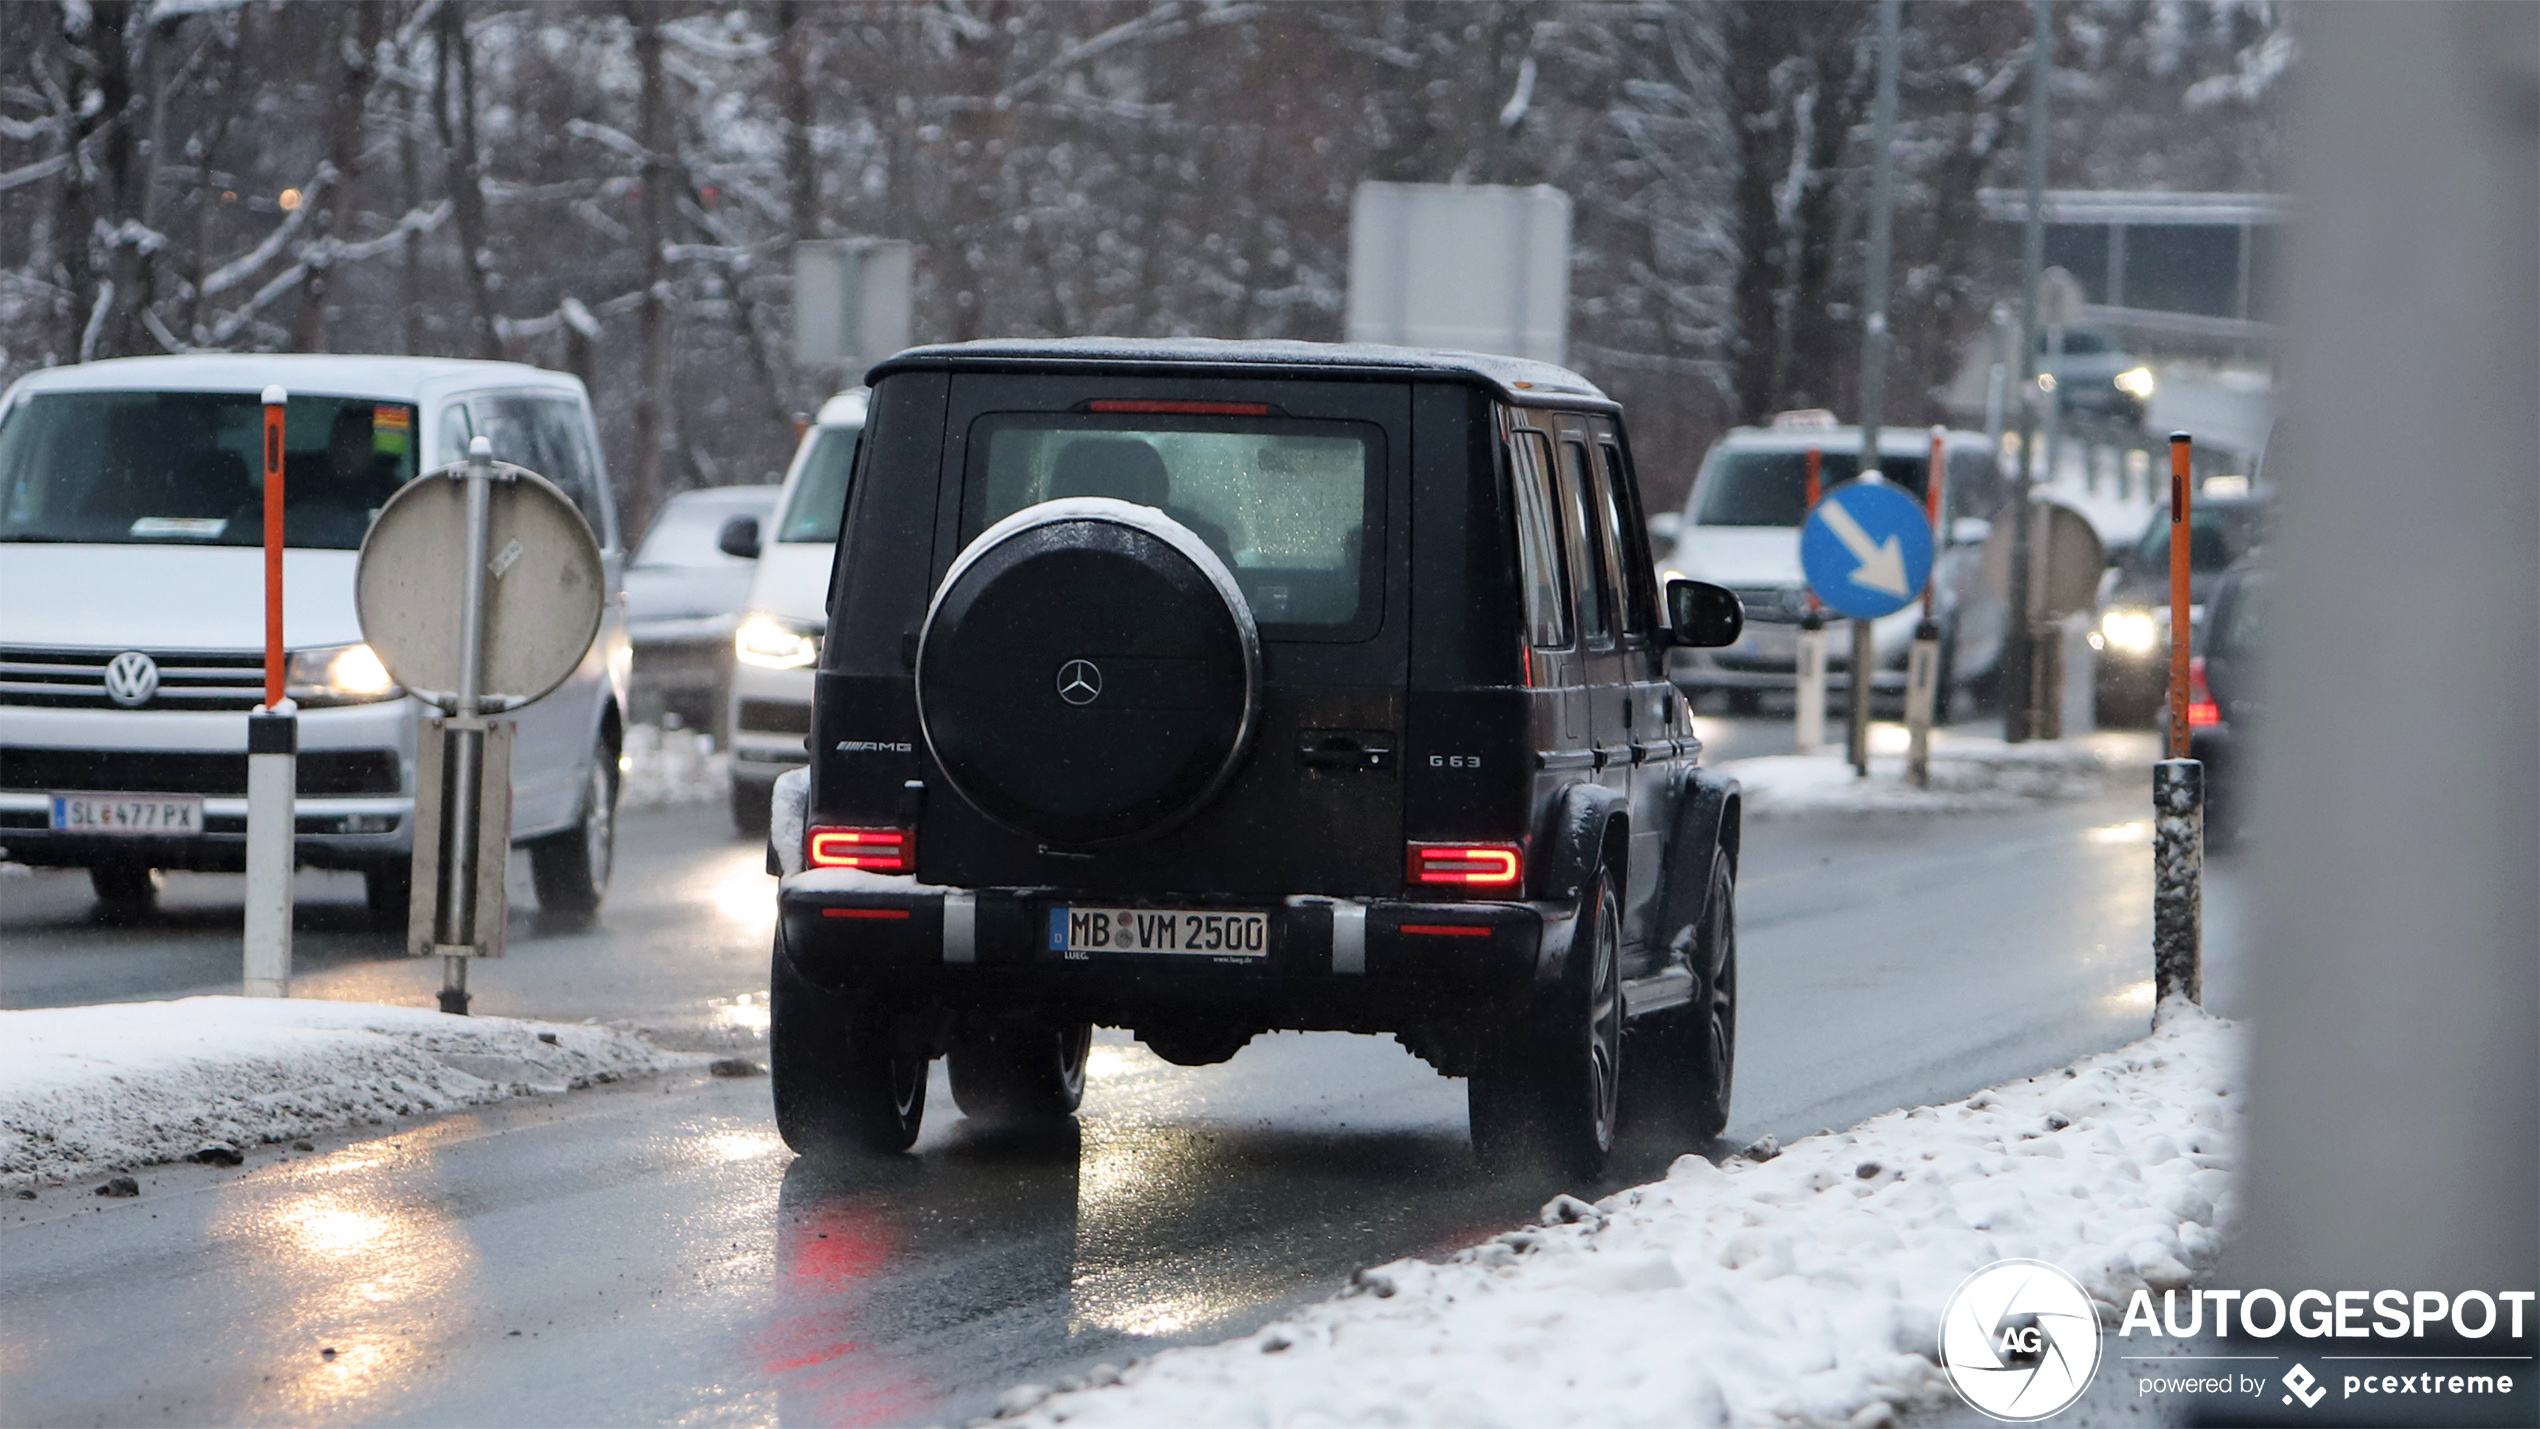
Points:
[2202,712]
[1447,930]
[897,915]
[1496,866]
[1184,409]
[873,850]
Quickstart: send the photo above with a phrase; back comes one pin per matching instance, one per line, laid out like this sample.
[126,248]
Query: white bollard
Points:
[1922,687]
[1812,684]
[272,794]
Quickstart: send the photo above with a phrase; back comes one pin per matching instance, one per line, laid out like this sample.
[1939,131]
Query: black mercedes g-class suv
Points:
[1207,688]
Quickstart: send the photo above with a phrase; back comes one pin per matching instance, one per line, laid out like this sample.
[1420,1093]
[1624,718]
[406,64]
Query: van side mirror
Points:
[1703,615]
[739,537]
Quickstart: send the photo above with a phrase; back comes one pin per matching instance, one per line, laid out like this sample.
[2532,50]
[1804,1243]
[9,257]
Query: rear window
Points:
[186,468]
[1757,488]
[1288,505]
[819,502]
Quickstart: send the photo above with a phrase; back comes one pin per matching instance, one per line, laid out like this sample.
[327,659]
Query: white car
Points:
[777,647]
[1741,529]
[684,596]
[132,616]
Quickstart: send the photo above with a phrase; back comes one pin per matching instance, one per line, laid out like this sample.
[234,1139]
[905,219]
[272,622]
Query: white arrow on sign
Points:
[1882,563]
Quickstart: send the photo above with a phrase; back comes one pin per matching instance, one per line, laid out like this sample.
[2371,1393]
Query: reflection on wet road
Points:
[662,1258]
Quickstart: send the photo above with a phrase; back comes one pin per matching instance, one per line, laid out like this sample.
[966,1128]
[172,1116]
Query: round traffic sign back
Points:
[1866,548]
[544,586]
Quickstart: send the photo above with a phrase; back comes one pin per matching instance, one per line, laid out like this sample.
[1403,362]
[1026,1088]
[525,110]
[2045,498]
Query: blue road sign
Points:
[1866,548]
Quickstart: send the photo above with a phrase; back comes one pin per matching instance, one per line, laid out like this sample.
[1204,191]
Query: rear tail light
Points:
[1491,867]
[873,850]
[2201,709]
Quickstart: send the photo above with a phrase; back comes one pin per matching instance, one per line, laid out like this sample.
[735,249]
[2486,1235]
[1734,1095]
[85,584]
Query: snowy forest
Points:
[613,188]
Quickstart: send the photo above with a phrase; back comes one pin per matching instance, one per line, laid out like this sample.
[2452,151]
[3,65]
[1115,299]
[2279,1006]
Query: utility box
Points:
[851,301]
[1476,267]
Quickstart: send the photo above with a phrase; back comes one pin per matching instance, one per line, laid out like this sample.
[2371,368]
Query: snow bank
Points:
[1807,1287]
[679,766]
[1968,773]
[86,1089]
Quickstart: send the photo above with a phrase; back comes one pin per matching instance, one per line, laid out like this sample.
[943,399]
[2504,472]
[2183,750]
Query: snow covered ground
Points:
[85,1090]
[1807,1287]
[677,766]
[1969,772]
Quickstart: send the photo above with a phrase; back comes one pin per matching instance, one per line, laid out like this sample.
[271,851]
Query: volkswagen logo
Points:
[1080,682]
[131,679]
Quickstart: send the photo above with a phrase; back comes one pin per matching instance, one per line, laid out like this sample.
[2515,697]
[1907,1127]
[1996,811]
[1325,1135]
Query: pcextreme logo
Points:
[2019,1340]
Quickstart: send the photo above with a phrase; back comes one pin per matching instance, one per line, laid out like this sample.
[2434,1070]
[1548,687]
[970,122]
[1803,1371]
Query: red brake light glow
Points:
[1448,930]
[1493,866]
[2201,709]
[1184,409]
[873,850]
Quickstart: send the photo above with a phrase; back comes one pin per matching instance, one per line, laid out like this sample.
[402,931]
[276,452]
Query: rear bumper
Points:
[1339,964]
[769,715]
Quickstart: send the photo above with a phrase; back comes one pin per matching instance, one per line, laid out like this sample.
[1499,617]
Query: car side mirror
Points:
[1703,615]
[739,537]
[1970,531]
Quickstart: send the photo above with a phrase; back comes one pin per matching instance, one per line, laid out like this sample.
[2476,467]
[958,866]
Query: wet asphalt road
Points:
[665,1260]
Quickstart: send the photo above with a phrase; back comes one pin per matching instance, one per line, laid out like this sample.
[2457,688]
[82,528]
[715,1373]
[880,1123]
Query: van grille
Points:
[76,679]
[1773,605]
[125,771]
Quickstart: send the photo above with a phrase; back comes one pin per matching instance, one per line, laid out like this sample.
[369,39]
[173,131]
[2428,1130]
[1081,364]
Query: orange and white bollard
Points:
[273,742]
[2178,782]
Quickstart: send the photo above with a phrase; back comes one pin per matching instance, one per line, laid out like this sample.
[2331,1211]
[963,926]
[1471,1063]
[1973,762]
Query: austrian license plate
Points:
[127,814]
[1078,932]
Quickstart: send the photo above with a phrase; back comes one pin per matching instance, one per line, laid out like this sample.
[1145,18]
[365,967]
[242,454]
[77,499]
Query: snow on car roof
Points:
[1517,378]
[397,378]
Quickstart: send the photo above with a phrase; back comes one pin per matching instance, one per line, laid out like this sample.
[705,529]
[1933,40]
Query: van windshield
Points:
[819,504]
[1286,504]
[186,468]
[1753,488]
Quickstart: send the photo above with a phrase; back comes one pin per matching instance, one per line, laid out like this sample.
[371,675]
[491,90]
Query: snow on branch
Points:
[30,173]
[246,265]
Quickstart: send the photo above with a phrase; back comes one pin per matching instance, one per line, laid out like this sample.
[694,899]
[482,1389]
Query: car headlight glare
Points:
[775,644]
[2133,631]
[339,675]
[2136,381]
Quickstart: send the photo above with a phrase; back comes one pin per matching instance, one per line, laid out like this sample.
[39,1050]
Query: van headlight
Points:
[2133,631]
[775,643]
[2136,382]
[338,675]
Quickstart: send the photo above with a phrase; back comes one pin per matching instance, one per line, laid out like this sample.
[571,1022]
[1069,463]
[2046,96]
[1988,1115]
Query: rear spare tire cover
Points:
[1088,673]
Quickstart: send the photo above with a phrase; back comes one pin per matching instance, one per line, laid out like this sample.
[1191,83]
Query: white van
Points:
[132,616]
[776,649]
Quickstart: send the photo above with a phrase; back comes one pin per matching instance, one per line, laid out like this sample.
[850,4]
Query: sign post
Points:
[1811,715]
[272,759]
[1866,551]
[1922,667]
[480,592]
[2178,782]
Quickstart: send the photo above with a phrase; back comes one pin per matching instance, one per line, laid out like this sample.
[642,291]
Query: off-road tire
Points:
[1546,1092]
[1685,1059]
[842,1082]
[1021,1075]
[571,869]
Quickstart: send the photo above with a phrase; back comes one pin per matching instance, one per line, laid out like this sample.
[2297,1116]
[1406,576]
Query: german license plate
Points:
[127,814]
[1079,932]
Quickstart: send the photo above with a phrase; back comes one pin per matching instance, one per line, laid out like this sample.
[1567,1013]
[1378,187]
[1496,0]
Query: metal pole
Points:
[1922,667]
[463,770]
[2178,782]
[1811,714]
[2016,679]
[272,759]
[1857,728]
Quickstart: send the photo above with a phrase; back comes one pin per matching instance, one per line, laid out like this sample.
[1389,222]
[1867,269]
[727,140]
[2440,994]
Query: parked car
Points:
[2226,696]
[132,615]
[1741,529]
[684,597]
[777,643]
[2097,376]
[1208,688]
[2131,634]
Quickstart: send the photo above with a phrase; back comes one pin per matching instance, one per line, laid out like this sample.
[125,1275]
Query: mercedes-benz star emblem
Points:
[1080,682]
[131,679]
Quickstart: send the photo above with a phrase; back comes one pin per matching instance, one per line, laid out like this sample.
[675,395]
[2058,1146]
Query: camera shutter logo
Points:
[1080,682]
[131,679]
[2019,1340]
